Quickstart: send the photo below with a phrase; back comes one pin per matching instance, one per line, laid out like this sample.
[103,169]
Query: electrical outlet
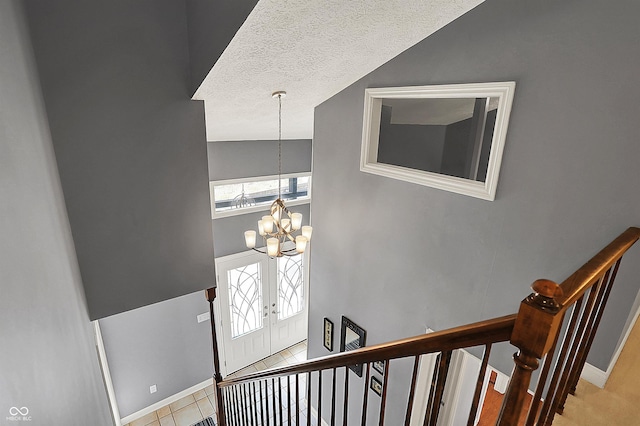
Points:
[153,389]
[203,317]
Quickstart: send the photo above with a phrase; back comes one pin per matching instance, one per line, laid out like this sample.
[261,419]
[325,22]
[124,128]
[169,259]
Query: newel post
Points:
[536,326]
[217,377]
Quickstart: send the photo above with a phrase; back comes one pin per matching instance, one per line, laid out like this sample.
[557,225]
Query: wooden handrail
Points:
[581,280]
[479,333]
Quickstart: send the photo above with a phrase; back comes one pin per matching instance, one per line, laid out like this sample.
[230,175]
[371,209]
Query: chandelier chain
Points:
[279,146]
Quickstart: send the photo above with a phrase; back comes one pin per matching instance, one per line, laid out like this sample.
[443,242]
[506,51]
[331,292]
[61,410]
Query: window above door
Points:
[239,196]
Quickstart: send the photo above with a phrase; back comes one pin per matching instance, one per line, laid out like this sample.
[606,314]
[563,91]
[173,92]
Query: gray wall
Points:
[130,147]
[48,360]
[159,344]
[212,25]
[409,256]
[239,159]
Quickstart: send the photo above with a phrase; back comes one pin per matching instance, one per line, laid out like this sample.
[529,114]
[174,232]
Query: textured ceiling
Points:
[311,49]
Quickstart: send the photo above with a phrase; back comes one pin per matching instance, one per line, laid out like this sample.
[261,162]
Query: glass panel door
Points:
[243,285]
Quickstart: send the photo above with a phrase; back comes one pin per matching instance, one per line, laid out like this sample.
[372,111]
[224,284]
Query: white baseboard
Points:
[594,375]
[166,401]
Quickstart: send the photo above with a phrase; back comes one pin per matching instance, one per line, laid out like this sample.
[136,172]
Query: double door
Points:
[262,306]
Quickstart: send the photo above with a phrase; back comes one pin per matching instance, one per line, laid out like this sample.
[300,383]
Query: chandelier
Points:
[279,227]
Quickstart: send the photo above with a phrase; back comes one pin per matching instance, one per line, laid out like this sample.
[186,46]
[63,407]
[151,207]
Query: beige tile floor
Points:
[199,405]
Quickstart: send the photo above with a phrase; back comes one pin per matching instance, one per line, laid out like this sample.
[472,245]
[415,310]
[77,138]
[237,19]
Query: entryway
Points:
[261,308]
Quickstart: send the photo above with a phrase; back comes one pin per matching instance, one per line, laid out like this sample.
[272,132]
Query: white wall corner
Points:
[594,375]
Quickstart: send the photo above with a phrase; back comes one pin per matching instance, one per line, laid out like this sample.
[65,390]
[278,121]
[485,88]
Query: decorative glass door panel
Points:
[243,283]
[290,286]
[245,299]
[262,306]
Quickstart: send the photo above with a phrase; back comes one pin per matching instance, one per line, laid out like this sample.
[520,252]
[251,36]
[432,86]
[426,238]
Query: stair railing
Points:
[283,395]
[541,319]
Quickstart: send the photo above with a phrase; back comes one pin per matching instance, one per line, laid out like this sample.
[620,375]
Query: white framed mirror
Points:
[449,137]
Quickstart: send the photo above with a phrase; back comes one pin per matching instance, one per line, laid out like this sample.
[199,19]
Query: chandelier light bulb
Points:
[273,247]
[261,230]
[296,221]
[250,238]
[267,223]
[301,243]
[286,225]
[307,231]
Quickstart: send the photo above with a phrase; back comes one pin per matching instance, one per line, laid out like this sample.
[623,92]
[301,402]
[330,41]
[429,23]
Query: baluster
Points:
[227,407]
[266,400]
[564,378]
[365,397]
[273,400]
[600,290]
[238,415]
[280,398]
[243,404]
[254,406]
[534,331]
[346,396]
[443,370]
[289,400]
[236,419]
[479,384]
[309,398]
[229,391]
[542,380]
[333,398]
[594,329]
[297,402]
[432,392]
[566,343]
[412,390]
[383,403]
[319,397]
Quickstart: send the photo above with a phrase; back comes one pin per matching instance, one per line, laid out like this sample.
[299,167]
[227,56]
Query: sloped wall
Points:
[130,147]
[48,359]
[395,257]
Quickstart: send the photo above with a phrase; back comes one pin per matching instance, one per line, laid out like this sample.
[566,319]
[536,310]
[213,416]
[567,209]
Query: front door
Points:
[262,306]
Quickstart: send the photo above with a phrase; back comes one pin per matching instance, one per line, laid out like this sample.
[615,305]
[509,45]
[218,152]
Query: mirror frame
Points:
[371,131]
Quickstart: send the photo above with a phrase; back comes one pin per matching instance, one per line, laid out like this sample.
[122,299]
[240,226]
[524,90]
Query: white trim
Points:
[594,375]
[106,374]
[502,382]
[261,207]
[166,401]
[368,155]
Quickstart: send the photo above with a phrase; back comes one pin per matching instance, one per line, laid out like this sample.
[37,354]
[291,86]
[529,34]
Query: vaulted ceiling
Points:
[313,50]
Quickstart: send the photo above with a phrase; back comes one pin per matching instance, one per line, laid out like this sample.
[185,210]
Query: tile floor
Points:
[199,405]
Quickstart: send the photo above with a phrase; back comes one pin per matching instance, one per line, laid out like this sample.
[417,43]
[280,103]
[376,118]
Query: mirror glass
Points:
[449,137]
[446,136]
